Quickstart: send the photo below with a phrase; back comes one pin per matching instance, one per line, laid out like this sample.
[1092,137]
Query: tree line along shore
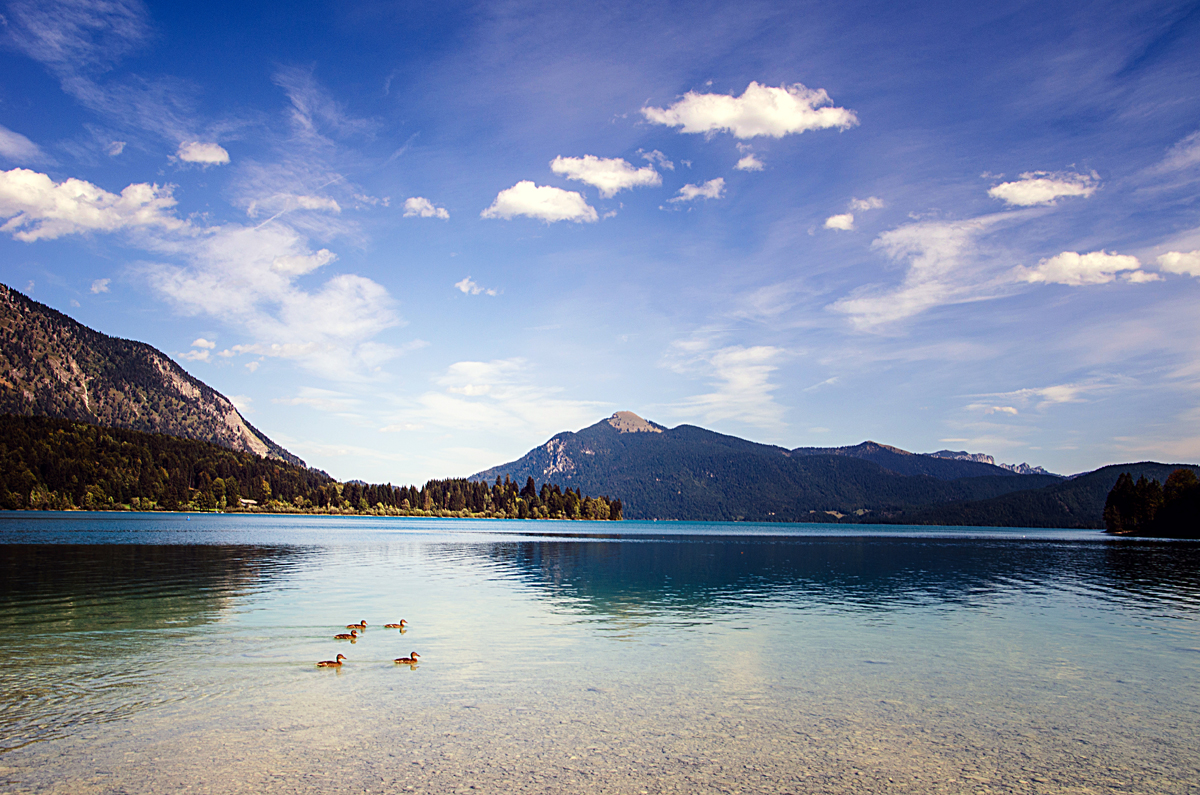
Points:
[55,464]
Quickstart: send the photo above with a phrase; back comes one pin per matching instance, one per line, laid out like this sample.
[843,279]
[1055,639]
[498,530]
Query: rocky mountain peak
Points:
[628,422]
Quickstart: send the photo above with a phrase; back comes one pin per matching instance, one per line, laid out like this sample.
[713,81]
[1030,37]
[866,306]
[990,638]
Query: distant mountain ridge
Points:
[696,474]
[54,366]
[906,463]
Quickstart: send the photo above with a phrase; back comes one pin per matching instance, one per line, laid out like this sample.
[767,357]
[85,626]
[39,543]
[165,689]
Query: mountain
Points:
[963,455]
[51,365]
[696,474]
[905,463]
[1078,502]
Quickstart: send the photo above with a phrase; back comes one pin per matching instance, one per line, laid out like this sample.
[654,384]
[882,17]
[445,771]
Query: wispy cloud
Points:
[19,149]
[499,395]
[944,266]
[759,111]
[740,377]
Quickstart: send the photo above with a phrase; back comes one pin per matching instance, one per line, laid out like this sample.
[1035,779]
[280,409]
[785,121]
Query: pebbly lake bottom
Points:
[151,653]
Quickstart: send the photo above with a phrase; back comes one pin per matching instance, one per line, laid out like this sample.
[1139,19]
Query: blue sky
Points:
[415,240]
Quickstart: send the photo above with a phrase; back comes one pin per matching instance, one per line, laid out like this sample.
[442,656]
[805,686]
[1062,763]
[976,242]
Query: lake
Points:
[176,653]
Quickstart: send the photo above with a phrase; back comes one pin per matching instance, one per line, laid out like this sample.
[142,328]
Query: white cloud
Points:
[471,288]
[869,203]
[300,264]
[209,154]
[18,148]
[1184,154]
[115,148]
[741,377]
[100,286]
[1043,187]
[1185,263]
[327,400]
[500,395]
[195,356]
[987,408]
[418,206]
[943,267]
[760,110]
[845,222]
[1042,397]
[655,156]
[279,203]
[203,343]
[1097,267]
[37,208]
[749,163]
[713,189]
[543,202]
[611,175]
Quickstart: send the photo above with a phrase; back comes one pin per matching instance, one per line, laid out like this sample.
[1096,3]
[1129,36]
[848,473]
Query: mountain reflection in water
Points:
[707,574]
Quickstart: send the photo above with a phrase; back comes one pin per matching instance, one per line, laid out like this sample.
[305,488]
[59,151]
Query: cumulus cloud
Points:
[469,287]
[869,203]
[1181,262]
[760,110]
[740,377]
[1044,187]
[844,222]
[37,208]
[242,275]
[18,148]
[749,163]
[543,202]
[208,154]
[417,206]
[713,189]
[200,342]
[1074,269]
[100,286]
[610,174]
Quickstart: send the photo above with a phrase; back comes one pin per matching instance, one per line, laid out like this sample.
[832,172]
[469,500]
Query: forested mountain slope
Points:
[51,365]
[1078,502]
[692,473]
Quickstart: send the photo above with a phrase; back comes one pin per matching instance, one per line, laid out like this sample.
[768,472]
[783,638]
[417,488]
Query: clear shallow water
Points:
[152,653]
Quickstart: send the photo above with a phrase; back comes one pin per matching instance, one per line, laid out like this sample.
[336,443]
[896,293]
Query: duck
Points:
[351,635]
[401,625]
[359,625]
[410,660]
[332,663]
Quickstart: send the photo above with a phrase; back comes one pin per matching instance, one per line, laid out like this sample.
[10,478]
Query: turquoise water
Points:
[156,653]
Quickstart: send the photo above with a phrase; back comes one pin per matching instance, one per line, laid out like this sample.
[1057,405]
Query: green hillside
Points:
[55,464]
